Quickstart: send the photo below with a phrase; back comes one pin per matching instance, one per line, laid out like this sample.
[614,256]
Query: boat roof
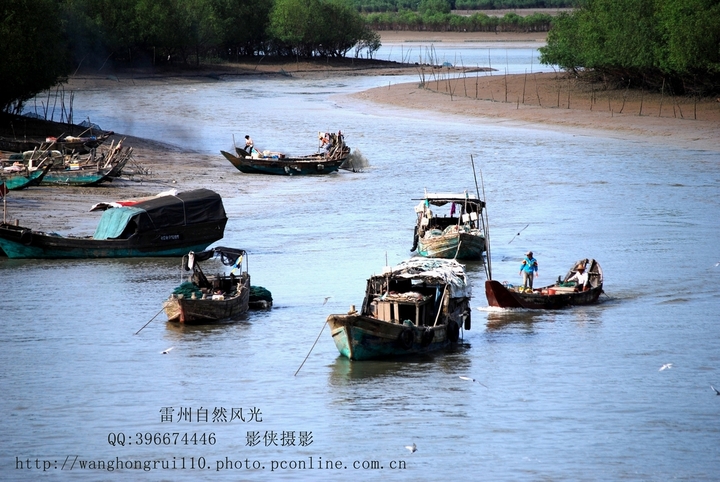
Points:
[440,198]
[446,271]
[178,209]
[228,256]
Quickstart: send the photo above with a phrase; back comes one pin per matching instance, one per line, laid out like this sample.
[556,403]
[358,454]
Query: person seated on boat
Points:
[528,270]
[581,278]
[324,140]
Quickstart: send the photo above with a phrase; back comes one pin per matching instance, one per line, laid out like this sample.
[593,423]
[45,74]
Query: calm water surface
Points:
[571,395]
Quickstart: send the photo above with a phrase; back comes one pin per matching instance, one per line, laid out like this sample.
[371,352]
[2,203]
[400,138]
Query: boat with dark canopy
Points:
[208,299]
[169,224]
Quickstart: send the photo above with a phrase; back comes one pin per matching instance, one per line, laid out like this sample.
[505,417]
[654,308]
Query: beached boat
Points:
[79,144]
[418,306]
[169,224]
[456,234]
[558,295]
[329,160]
[213,298]
[21,178]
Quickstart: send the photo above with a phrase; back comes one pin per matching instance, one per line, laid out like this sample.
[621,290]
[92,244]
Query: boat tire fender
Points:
[453,331]
[26,236]
[427,337]
[406,338]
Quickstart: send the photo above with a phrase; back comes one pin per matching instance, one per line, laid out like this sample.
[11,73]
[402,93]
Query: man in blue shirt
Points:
[528,270]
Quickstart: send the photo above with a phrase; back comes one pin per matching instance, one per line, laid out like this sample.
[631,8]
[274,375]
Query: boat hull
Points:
[19,242]
[498,295]
[209,310]
[452,246]
[360,337]
[77,178]
[21,181]
[290,166]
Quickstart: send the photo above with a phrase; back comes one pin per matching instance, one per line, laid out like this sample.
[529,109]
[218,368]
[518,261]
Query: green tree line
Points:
[661,44]
[439,20]
[368,6]
[43,41]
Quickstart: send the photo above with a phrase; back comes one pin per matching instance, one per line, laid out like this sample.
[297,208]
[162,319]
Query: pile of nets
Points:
[258,293]
[187,289]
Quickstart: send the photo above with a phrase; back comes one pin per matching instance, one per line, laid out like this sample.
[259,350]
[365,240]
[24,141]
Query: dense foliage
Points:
[33,53]
[439,21]
[44,40]
[665,44]
[368,6]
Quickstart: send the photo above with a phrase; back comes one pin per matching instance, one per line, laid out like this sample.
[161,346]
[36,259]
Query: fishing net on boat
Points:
[187,289]
[258,293]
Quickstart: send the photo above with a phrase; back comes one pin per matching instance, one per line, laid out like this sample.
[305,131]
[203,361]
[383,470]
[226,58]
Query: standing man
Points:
[249,144]
[528,270]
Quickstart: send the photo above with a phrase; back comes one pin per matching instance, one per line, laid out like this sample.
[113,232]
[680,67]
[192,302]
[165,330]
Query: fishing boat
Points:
[332,157]
[22,177]
[169,224]
[418,306]
[560,294]
[81,143]
[458,233]
[208,299]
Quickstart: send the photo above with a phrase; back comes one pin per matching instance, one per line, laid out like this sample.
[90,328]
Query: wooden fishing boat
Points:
[456,234]
[326,162]
[415,307]
[210,299]
[79,144]
[78,177]
[23,178]
[558,295]
[169,224]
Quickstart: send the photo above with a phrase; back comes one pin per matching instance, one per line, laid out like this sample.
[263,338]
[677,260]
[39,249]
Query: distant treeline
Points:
[439,21]
[41,41]
[368,6]
[668,45]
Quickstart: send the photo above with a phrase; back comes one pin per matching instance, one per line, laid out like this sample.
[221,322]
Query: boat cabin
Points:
[397,300]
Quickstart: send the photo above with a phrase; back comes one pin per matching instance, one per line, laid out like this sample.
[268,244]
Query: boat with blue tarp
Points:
[168,224]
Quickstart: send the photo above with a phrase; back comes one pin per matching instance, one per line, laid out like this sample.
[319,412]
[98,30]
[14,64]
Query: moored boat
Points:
[418,306]
[457,234]
[169,224]
[214,298]
[22,177]
[561,294]
[332,157]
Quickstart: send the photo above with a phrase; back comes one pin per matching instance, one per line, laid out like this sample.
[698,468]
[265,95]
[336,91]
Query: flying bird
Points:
[326,299]
[716,390]
[412,448]
[472,380]
[665,366]
[717,264]
[165,352]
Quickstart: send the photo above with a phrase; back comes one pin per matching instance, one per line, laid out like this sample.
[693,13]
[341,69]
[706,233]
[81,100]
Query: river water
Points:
[576,394]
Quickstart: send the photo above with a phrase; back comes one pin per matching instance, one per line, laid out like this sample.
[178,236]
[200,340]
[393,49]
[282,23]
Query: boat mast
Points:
[484,220]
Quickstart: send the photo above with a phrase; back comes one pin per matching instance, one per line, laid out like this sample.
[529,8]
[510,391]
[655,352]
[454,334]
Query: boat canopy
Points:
[446,271]
[228,256]
[442,198]
[185,208]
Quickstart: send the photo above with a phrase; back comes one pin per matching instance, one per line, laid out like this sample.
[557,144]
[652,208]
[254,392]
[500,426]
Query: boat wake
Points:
[355,162]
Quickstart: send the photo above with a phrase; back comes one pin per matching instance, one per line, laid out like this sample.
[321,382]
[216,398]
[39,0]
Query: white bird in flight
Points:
[165,352]
[326,299]
[412,448]
[472,380]
[665,366]
[717,392]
